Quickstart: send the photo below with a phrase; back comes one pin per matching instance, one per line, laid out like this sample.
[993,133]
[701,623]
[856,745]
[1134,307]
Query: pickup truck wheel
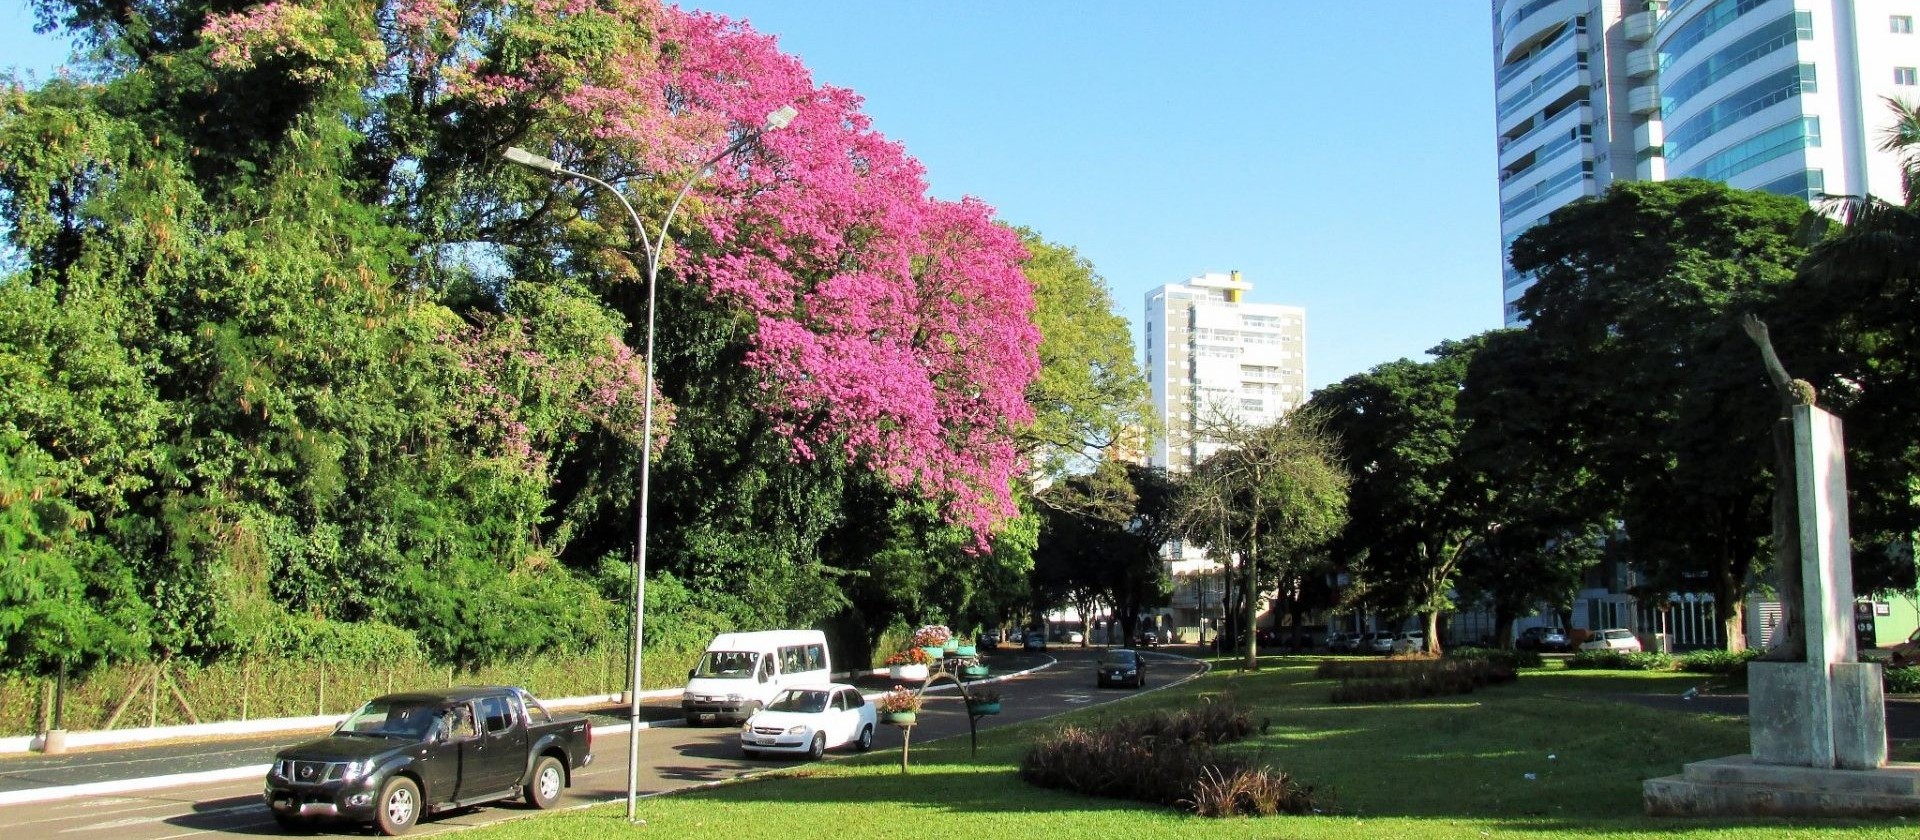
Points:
[819,746]
[866,739]
[543,790]
[399,806]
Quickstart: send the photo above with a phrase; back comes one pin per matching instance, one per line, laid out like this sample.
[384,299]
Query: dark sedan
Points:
[1121,667]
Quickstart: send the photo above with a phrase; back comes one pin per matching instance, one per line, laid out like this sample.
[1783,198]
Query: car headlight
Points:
[746,725]
[356,769]
[797,730]
[283,768]
[1131,672]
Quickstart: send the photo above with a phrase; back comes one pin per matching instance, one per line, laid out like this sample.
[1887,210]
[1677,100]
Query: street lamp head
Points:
[779,119]
[529,159]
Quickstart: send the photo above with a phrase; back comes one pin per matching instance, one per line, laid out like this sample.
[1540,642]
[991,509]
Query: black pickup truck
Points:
[404,756]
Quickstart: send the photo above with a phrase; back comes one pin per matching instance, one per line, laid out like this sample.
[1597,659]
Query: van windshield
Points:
[726,665]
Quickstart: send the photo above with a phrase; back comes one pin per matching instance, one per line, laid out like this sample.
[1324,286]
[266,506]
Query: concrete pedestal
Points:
[1739,786]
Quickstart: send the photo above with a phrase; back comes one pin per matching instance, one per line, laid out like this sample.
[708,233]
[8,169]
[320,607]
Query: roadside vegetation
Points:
[1557,753]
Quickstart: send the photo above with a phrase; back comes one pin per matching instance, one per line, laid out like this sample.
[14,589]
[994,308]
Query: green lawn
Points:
[1442,768]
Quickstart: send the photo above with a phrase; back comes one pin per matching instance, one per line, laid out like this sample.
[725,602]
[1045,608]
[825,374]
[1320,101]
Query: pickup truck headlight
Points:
[283,768]
[355,769]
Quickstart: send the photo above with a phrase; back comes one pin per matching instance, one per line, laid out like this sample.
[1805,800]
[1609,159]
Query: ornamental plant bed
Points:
[1374,682]
[1168,758]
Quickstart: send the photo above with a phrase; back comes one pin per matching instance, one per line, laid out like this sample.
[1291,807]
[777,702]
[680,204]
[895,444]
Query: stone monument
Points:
[1816,716]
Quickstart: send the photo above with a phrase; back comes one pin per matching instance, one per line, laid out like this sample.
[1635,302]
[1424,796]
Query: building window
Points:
[1902,24]
[1903,76]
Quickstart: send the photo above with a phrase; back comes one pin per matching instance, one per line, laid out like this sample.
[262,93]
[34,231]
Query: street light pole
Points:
[653,246]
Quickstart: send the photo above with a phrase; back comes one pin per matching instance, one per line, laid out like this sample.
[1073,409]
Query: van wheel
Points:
[819,746]
[866,739]
[543,790]
[399,806]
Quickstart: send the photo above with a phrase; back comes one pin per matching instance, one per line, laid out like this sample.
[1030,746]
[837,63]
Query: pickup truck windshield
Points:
[403,719]
[727,665]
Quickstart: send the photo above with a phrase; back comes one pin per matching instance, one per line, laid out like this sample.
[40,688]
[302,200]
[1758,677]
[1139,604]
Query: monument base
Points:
[1806,715]
[1739,786]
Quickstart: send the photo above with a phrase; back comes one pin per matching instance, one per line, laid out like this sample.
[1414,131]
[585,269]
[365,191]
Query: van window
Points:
[726,665]
[816,657]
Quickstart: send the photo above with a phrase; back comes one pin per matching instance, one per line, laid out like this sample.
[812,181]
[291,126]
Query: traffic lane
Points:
[141,761]
[672,758]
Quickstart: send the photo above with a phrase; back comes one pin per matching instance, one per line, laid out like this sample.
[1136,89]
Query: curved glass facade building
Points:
[1780,95]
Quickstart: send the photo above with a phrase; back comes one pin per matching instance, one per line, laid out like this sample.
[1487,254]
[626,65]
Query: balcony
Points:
[1643,62]
[1651,134]
[1644,100]
[1639,27]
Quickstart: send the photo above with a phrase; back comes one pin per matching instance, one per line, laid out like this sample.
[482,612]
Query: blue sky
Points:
[1339,155]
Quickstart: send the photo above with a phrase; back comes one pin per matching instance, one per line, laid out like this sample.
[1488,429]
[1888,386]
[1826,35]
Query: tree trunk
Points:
[1433,632]
[1502,628]
[1252,662]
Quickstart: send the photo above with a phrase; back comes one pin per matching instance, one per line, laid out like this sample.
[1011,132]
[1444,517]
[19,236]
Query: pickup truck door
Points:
[437,761]
[502,746]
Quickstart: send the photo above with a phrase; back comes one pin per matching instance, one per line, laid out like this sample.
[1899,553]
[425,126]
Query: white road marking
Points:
[133,821]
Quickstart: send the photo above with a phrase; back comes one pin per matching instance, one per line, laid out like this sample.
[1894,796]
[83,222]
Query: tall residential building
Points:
[1211,354]
[1780,95]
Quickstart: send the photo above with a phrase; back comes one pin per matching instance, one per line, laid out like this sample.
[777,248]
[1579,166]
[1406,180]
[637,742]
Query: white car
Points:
[1613,639]
[809,720]
[1413,641]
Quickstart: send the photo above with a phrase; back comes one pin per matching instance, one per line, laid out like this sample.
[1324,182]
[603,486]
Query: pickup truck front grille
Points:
[312,772]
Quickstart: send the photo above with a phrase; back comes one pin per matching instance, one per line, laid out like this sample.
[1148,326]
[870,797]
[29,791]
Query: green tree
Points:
[1415,510]
[1274,495]
[1635,312]
[1090,392]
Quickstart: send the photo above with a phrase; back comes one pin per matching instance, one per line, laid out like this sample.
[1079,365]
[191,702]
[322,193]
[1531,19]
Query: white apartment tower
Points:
[1779,95]
[1211,353]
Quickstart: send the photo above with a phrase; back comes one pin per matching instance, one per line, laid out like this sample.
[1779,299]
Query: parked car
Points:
[1072,637]
[403,756]
[1378,641]
[1613,638]
[1543,638]
[1340,642]
[1120,666]
[809,720]
[990,638]
[1146,639]
[1413,641]
[1905,653]
[1014,637]
[1034,641]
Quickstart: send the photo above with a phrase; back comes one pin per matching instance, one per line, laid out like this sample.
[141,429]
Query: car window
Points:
[495,714]
[800,700]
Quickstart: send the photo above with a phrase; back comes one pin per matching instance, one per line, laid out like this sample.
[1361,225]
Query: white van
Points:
[741,672]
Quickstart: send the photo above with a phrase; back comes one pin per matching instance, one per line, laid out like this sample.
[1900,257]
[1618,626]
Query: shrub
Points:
[1515,659]
[1167,759]
[1619,660]
[1901,680]
[1411,679]
[1717,661]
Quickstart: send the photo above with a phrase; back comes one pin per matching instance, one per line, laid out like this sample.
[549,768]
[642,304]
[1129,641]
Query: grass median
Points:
[1559,753]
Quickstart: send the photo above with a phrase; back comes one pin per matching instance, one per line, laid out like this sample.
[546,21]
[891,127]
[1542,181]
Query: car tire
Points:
[549,779]
[865,741]
[818,748]
[398,807]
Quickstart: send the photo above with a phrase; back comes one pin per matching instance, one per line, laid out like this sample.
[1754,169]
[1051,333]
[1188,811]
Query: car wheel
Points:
[399,806]
[866,739]
[819,746]
[543,790]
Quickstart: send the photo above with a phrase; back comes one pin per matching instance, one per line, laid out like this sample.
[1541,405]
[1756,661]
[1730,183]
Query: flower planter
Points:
[992,708]
[965,650]
[935,652]
[900,718]
[973,672]
[950,646]
[907,672]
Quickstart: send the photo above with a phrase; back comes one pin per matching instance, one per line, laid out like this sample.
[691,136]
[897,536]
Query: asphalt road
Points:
[671,758]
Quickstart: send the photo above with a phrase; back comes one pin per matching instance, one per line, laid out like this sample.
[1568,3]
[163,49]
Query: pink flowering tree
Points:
[892,326]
